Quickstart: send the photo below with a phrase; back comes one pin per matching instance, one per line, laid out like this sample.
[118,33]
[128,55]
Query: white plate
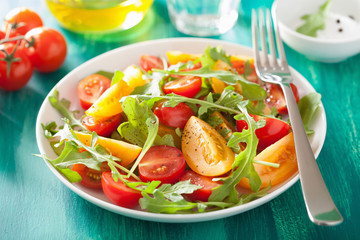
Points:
[120,58]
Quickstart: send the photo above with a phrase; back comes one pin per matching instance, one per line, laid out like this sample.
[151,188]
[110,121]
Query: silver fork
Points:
[319,204]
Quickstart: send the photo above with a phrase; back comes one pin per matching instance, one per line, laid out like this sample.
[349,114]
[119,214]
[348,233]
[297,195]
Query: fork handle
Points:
[319,204]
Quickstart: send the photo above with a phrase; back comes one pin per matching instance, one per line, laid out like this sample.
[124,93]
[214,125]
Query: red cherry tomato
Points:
[163,163]
[148,62]
[118,193]
[273,130]
[90,89]
[20,70]
[239,66]
[103,127]
[187,86]
[176,116]
[12,35]
[49,50]
[276,97]
[207,184]
[24,20]
[90,178]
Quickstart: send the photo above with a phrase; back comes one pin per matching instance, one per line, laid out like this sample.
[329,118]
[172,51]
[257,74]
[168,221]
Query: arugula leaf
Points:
[107,74]
[117,76]
[154,87]
[168,199]
[243,164]
[141,128]
[248,70]
[212,54]
[49,129]
[251,91]
[245,198]
[70,155]
[314,22]
[308,105]
[62,106]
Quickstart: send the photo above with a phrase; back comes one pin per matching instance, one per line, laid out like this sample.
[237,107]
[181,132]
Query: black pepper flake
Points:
[337,20]
[352,17]
[340,29]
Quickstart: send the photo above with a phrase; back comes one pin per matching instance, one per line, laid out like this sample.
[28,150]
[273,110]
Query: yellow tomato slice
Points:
[281,152]
[204,149]
[178,56]
[125,151]
[134,77]
[217,85]
[108,104]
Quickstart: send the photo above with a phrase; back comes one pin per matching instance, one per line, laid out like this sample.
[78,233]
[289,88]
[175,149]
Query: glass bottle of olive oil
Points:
[102,16]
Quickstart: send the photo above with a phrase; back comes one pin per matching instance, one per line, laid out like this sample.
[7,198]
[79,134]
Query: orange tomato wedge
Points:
[281,152]
[204,149]
[125,151]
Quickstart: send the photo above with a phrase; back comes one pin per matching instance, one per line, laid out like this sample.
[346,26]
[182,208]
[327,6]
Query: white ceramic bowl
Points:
[337,42]
[115,60]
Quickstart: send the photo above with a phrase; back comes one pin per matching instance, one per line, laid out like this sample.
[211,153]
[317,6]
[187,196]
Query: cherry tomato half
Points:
[148,62]
[90,178]
[20,71]
[273,130]
[103,127]
[206,183]
[49,51]
[276,97]
[187,86]
[90,89]
[118,193]
[24,20]
[163,163]
[174,116]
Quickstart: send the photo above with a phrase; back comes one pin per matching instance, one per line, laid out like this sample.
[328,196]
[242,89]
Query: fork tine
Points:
[280,46]
[254,29]
[263,39]
[271,39]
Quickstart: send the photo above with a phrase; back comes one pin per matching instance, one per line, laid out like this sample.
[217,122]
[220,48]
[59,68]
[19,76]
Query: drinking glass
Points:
[203,17]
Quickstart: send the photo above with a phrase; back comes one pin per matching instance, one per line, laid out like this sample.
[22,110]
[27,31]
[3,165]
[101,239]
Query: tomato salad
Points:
[189,133]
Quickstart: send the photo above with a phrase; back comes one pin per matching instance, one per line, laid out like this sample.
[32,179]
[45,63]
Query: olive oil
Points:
[91,16]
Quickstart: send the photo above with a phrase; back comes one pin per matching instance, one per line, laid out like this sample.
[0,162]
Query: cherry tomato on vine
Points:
[187,86]
[148,62]
[206,183]
[90,89]
[174,116]
[90,178]
[276,97]
[11,35]
[163,163]
[273,130]
[48,51]
[118,193]
[22,20]
[15,67]
[103,127]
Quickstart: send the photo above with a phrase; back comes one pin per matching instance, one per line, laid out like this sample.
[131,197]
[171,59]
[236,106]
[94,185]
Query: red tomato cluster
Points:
[25,45]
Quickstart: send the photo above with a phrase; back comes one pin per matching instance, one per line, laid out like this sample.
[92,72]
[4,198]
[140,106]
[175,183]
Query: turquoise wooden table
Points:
[34,204]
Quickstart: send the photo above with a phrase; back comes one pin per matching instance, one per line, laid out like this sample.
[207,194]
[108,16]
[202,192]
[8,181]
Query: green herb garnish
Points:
[314,22]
